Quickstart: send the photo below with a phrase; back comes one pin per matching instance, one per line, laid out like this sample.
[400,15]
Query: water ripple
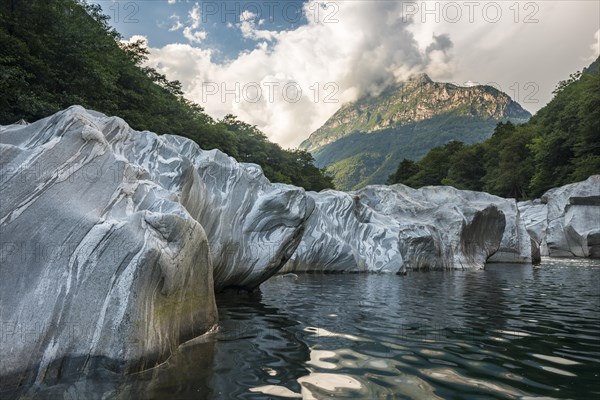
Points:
[509,332]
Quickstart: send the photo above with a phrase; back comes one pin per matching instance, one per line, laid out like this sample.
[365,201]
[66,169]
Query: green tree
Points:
[568,147]
[434,167]
[406,169]
[510,163]
[466,168]
[54,54]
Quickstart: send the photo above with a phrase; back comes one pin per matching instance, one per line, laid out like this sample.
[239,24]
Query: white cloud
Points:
[369,48]
[192,31]
[337,61]
[177,25]
[193,36]
[248,26]
[595,47]
[195,16]
[525,53]
[172,1]
[248,15]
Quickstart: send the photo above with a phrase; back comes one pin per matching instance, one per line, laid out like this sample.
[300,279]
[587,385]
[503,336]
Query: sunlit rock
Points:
[394,228]
[449,228]
[344,235]
[253,226]
[109,237]
[100,264]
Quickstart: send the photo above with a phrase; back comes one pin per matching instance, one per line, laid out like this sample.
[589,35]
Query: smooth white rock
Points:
[116,232]
[534,214]
[566,220]
[455,218]
[99,263]
[253,226]
[394,228]
[343,235]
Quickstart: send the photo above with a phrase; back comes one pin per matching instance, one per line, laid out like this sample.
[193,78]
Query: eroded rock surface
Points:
[98,260]
[253,226]
[344,235]
[112,241]
[469,228]
[393,228]
[104,246]
[565,222]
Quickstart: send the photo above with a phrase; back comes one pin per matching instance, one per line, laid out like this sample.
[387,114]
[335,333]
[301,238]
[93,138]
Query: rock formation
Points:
[344,235]
[253,225]
[112,241]
[565,222]
[457,216]
[104,248]
[392,228]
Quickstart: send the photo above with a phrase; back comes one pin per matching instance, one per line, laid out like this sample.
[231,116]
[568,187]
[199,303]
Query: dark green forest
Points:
[559,145]
[54,54]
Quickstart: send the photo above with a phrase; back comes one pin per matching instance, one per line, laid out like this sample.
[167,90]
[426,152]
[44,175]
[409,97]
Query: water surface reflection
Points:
[508,332]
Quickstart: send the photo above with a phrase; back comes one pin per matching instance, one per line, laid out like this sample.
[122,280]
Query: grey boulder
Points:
[565,222]
[99,262]
[395,228]
[112,242]
[344,235]
[466,228]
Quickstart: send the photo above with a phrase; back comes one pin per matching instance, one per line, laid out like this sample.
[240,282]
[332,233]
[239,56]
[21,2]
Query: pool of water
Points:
[509,332]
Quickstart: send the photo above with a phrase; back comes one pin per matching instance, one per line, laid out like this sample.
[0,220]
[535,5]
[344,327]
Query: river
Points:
[508,332]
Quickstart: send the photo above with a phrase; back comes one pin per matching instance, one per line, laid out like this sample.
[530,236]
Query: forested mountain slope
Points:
[559,145]
[54,54]
[363,142]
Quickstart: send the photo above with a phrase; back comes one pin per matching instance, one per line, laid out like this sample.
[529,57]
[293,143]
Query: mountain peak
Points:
[364,141]
[420,78]
[416,99]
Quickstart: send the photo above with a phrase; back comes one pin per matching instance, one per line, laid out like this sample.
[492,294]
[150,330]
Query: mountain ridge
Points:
[558,146]
[416,111]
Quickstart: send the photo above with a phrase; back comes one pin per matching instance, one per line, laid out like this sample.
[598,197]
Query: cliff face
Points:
[406,120]
[412,101]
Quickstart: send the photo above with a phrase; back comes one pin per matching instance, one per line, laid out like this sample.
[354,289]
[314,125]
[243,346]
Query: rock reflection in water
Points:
[510,331]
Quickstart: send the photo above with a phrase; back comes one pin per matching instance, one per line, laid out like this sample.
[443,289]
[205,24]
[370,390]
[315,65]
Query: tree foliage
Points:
[559,145]
[406,169]
[54,54]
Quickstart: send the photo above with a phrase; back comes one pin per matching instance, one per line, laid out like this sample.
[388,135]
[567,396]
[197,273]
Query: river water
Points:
[508,332]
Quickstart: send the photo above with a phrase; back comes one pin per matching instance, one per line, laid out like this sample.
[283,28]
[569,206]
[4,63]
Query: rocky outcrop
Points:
[414,100]
[473,227]
[112,241]
[98,260]
[104,247]
[365,140]
[565,222]
[344,235]
[534,214]
[253,226]
[394,228]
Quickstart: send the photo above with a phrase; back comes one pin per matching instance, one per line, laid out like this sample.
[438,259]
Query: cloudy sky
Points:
[288,65]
